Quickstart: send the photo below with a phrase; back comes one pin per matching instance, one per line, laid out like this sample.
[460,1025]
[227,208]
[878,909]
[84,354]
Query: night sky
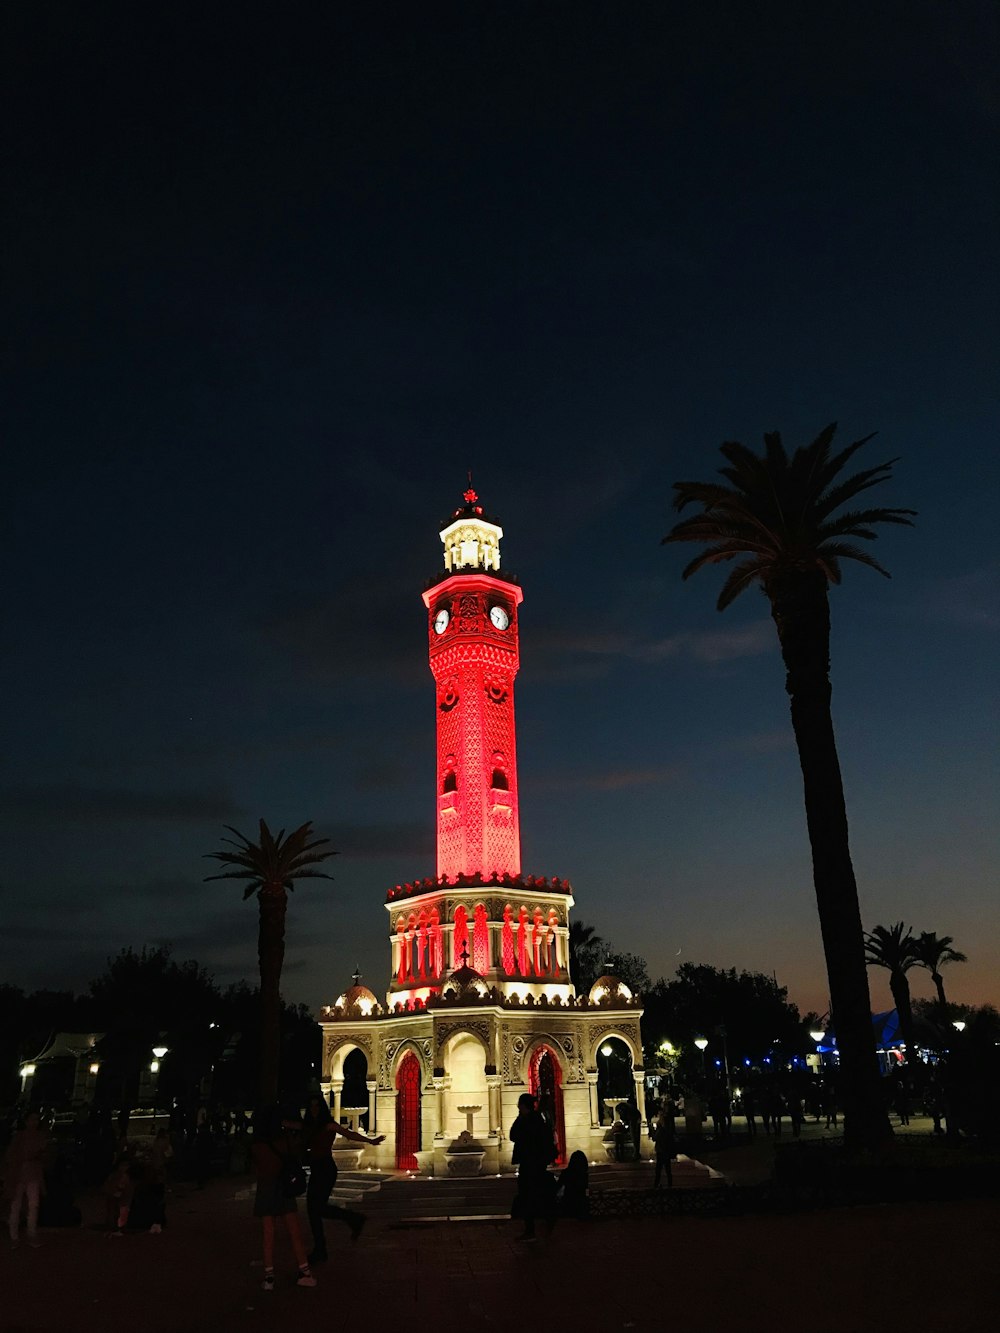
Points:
[277,277]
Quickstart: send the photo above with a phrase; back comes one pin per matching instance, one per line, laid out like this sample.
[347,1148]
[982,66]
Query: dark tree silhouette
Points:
[933,951]
[585,946]
[893,947]
[779,514]
[272,865]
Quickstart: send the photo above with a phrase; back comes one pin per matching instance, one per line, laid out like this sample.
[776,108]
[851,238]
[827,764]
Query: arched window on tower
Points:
[422,946]
[507,941]
[480,940]
[435,946]
[403,961]
[411,939]
[450,782]
[460,937]
[499,779]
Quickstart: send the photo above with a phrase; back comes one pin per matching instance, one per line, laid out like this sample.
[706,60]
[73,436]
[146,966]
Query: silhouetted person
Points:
[534,1150]
[794,1104]
[203,1154]
[750,1111]
[271,1153]
[24,1175]
[775,1110]
[665,1141]
[830,1104]
[573,1191]
[319,1132]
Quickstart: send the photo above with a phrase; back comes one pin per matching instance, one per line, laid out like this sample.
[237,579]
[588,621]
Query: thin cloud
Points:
[971,600]
[68,802]
[710,647]
[371,841]
[353,633]
[612,779]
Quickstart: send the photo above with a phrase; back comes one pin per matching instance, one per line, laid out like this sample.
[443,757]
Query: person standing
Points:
[319,1132]
[665,1140]
[271,1155]
[24,1175]
[534,1150]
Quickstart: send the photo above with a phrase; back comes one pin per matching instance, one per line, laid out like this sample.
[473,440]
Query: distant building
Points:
[480,1006]
[65,1070]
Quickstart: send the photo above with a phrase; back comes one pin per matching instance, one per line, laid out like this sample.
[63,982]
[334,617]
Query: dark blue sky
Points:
[275,279]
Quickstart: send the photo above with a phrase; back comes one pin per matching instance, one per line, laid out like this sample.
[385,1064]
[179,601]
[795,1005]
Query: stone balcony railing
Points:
[493,998]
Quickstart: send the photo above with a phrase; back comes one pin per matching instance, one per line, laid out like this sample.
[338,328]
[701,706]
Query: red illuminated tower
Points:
[473,631]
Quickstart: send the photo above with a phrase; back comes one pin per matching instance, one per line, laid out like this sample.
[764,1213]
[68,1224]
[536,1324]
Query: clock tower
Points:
[481,1006]
[473,638]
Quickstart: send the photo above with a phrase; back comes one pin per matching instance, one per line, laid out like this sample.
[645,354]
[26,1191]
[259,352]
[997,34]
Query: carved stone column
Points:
[371,1084]
[493,1082]
[325,1088]
[639,1075]
[338,1088]
[595,1113]
[439,1107]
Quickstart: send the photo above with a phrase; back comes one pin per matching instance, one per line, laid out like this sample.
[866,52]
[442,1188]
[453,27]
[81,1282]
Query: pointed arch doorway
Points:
[545,1085]
[407,1112]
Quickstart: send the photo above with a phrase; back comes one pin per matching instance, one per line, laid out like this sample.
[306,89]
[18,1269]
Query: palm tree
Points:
[894,948]
[779,513]
[272,865]
[584,942]
[933,951]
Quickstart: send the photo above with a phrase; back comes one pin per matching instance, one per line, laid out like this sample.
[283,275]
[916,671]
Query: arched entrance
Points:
[615,1084]
[407,1112]
[545,1085]
[354,1095]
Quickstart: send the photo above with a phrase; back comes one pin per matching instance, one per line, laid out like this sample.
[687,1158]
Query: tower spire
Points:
[474,657]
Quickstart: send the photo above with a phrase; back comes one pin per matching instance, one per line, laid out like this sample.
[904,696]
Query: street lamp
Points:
[154,1068]
[959,1024]
[607,1050]
[702,1043]
[817,1035]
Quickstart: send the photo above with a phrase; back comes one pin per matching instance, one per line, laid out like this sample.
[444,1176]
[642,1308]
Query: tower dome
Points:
[609,988]
[357,999]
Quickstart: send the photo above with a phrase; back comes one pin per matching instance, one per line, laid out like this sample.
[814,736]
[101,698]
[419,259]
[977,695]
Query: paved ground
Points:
[851,1270]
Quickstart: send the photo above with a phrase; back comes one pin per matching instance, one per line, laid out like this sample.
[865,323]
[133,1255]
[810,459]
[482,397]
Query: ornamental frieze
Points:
[595,1031]
[478,1028]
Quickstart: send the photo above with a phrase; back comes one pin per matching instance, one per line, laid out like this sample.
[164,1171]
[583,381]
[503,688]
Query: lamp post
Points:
[702,1043]
[154,1068]
[959,1024]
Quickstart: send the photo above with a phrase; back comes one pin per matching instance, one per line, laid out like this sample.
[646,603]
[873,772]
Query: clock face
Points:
[441,620]
[499,617]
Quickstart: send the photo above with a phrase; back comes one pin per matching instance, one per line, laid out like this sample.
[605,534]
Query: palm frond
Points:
[708,493]
[848,552]
[272,860]
[780,510]
[835,465]
[738,581]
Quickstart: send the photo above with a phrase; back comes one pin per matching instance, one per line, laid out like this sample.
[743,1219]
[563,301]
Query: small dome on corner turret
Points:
[609,988]
[465,981]
[357,999]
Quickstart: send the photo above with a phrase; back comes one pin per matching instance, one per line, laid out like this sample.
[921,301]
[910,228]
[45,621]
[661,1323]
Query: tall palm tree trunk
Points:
[270,957]
[800,609]
[900,988]
[938,980]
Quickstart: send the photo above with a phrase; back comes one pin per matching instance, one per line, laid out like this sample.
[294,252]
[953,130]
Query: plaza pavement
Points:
[847,1270]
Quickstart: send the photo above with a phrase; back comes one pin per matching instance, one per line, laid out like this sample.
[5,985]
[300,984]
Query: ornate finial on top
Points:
[471,537]
[465,954]
[356,976]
